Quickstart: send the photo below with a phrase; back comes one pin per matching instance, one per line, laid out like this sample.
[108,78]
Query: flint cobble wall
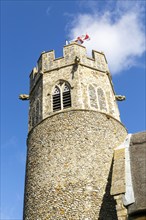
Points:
[68,165]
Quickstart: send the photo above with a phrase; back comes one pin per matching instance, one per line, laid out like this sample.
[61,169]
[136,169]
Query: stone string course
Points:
[68,167]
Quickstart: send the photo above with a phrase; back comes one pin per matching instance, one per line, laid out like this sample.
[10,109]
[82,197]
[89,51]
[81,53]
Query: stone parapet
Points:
[47,61]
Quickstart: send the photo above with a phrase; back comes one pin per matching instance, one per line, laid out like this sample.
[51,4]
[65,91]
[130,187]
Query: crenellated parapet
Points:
[47,61]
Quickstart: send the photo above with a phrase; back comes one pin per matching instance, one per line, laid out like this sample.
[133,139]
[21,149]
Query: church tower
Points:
[74,125]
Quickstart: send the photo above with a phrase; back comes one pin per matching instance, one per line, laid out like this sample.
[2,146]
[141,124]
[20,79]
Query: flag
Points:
[86,37]
[80,39]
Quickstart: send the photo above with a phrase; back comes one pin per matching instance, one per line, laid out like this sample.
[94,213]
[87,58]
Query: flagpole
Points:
[66,42]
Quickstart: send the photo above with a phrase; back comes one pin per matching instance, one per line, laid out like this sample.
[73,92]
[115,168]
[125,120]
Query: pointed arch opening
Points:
[56,99]
[92,96]
[61,96]
[101,100]
[66,96]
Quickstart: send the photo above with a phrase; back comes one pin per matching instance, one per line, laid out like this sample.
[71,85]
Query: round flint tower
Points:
[74,126]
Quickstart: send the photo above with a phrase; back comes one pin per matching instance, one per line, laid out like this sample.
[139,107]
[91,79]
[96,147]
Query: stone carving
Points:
[77,60]
[120,97]
[24,97]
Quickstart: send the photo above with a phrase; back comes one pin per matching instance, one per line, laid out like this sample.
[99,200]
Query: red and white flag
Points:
[80,39]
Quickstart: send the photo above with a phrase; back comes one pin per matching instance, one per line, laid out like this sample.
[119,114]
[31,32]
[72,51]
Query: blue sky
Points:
[30,27]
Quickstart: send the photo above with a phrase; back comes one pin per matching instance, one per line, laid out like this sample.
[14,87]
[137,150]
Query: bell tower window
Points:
[92,96]
[56,99]
[66,97]
[101,99]
[61,96]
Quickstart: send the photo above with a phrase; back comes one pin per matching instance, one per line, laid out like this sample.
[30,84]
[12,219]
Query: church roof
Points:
[129,173]
[138,171]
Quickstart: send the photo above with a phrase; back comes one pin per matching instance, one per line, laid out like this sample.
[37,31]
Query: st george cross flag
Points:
[80,39]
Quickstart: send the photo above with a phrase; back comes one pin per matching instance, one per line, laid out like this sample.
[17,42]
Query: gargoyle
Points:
[120,97]
[77,60]
[24,97]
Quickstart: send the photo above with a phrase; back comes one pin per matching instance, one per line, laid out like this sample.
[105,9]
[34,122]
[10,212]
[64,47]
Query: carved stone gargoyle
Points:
[120,97]
[24,97]
[77,60]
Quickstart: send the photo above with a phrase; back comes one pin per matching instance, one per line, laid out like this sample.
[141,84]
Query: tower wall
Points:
[69,160]
[89,72]
[80,79]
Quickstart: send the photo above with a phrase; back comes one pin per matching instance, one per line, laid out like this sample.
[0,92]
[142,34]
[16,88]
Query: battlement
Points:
[47,61]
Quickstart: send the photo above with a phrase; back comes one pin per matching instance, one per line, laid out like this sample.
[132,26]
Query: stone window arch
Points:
[101,99]
[66,96]
[61,96]
[56,99]
[92,96]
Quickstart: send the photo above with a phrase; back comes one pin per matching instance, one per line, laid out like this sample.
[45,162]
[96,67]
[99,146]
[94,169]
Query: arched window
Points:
[93,96]
[101,99]
[66,97]
[56,99]
[61,96]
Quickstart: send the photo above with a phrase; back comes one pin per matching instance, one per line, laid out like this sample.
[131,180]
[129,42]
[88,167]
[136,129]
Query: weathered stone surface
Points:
[138,171]
[118,177]
[121,210]
[136,210]
[90,72]
[69,159]
[70,152]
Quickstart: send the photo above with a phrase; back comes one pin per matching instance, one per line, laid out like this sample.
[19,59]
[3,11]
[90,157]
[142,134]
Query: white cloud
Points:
[119,33]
